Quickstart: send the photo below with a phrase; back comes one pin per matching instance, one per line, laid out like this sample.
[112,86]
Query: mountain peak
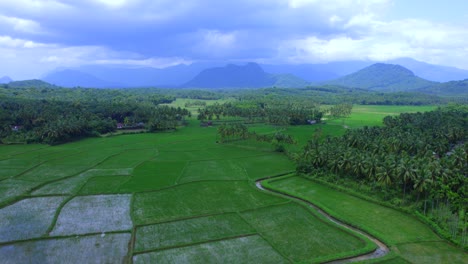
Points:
[394,68]
[230,76]
[250,75]
[383,77]
[5,79]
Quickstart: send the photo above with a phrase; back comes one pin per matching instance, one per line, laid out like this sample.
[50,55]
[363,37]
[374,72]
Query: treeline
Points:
[53,121]
[329,94]
[418,159]
[238,131]
[273,112]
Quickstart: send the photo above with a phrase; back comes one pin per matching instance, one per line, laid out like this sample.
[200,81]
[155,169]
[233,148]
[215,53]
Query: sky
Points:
[38,36]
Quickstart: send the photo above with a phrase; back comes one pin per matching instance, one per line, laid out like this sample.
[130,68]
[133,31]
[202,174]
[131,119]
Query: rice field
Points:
[176,197]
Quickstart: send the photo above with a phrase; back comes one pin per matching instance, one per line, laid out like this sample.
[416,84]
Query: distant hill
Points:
[432,72]
[30,83]
[383,77]
[5,79]
[74,78]
[250,75]
[453,88]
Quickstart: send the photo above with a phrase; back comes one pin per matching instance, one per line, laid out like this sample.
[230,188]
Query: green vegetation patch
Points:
[128,158]
[92,214]
[299,235]
[432,252]
[199,198]
[28,218]
[66,166]
[153,175]
[66,186]
[372,115]
[103,185]
[250,249]
[111,248]
[185,232]
[267,165]
[388,224]
[213,170]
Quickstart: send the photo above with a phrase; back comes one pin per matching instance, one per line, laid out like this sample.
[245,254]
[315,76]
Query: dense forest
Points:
[56,115]
[415,159]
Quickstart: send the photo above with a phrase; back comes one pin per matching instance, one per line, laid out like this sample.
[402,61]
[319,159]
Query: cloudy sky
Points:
[37,36]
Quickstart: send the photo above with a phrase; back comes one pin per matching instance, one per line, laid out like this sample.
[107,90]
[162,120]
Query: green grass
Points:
[280,225]
[153,175]
[190,231]
[193,199]
[410,238]
[373,115]
[103,185]
[198,198]
[388,224]
[213,170]
[249,249]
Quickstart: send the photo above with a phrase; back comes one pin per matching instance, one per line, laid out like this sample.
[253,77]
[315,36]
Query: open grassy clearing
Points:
[398,229]
[28,218]
[111,248]
[372,115]
[249,249]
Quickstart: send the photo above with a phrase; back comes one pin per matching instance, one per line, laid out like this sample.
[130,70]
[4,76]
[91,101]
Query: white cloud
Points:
[371,39]
[21,25]
[215,43]
[26,59]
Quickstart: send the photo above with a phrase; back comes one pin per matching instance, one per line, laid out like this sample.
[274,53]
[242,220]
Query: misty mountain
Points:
[5,79]
[250,75]
[74,78]
[432,72]
[383,77]
[174,76]
[147,76]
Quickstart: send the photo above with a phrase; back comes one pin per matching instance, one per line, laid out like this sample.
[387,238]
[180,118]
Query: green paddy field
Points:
[181,197]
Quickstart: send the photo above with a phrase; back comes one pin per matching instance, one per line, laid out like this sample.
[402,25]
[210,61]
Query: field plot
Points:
[153,175]
[189,231]
[66,166]
[199,198]
[128,158]
[249,249]
[213,170]
[266,165]
[389,224]
[103,185]
[372,115]
[409,238]
[92,214]
[282,224]
[432,252]
[111,248]
[28,218]
[11,189]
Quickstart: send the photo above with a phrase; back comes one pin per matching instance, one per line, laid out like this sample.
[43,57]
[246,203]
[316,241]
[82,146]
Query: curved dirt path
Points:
[381,251]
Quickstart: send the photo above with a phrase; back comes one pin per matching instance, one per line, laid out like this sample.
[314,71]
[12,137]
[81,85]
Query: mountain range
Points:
[103,76]
[380,77]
